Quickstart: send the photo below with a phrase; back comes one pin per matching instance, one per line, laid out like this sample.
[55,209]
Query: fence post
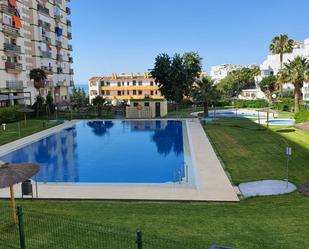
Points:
[139,240]
[21,228]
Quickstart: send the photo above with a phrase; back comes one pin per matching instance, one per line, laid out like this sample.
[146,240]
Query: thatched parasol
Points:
[25,111]
[11,174]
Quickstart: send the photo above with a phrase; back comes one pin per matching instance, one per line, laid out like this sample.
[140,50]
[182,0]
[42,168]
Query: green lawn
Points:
[249,153]
[12,131]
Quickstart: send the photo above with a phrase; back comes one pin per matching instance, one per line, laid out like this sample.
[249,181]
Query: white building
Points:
[219,72]
[35,34]
[271,65]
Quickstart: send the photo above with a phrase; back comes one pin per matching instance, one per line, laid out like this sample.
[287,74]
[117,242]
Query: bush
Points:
[285,104]
[8,115]
[302,116]
[260,103]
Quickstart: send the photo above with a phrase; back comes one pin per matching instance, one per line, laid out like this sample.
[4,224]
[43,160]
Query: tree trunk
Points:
[205,104]
[297,94]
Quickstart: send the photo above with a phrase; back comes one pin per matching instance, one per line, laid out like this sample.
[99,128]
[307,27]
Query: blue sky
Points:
[125,36]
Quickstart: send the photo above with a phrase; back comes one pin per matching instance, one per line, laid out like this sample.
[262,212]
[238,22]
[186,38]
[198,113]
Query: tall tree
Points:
[39,77]
[268,86]
[296,72]
[205,91]
[49,103]
[281,45]
[176,75]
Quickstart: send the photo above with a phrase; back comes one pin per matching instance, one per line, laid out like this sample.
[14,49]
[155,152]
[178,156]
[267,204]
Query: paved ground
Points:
[212,182]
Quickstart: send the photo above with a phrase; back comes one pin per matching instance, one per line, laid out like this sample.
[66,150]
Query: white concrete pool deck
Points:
[213,183]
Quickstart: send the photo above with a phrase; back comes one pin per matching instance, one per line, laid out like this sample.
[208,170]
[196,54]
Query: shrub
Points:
[8,115]
[285,104]
[302,116]
[259,103]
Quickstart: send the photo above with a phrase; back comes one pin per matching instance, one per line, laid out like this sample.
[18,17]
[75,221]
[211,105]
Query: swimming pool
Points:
[232,114]
[281,122]
[139,152]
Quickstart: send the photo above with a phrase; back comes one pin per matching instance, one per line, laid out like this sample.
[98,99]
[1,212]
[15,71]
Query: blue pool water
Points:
[109,152]
[282,122]
[232,114]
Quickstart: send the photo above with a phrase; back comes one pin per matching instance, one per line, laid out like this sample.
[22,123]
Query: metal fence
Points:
[39,230]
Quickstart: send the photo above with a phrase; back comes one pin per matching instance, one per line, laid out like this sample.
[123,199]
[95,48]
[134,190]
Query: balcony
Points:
[7,9]
[59,70]
[46,39]
[49,83]
[43,9]
[58,44]
[71,71]
[12,48]
[69,23]
[59,57]
[69,35]
[11,30]
[68,10]
[70,47]
[71,59]
[45,25]
[46,54]
[47,70]
[13,67]
[71,83]
[14,84]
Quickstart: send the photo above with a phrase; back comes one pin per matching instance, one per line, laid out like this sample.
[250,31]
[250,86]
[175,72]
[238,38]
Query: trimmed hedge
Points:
[302,116]
[260,103]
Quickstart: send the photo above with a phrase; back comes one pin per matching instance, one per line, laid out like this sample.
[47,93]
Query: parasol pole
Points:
[13,204]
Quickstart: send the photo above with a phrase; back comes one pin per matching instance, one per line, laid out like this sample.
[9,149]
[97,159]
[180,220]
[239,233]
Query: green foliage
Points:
[79,97]
[49,103]
[284,104]
[268,86]
[238,80]
[38,105]
[302,116]
[260,103]
[38,76]
[280,45]
[8,115]
[296,72]
[99,101]
[176,75]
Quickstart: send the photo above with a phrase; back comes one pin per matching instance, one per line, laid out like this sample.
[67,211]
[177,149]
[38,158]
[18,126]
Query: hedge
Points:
[8,115]
[302,116]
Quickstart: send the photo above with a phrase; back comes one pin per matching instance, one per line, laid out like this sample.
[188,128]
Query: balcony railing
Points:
[48,70]
[45,25]
[69,35]
[46,54]
[59,57]
[69,23]
[9,47]
[7,9]
[68,10]
[71,59]
[43,9]
[14,84]
[70,47]
[59,70]
[13,66]
[11,30]
[49,83]
[58,44]
[71,71]
[46,39]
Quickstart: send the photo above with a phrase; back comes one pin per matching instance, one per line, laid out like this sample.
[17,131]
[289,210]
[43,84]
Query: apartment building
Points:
[219,72]
[35,34]
[124,87]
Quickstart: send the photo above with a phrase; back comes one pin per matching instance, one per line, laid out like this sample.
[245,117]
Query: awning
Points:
[12,3]
[17,22]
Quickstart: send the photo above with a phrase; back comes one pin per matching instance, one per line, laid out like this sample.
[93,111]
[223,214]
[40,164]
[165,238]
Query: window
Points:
[134,92]
[140,83]
[107,93]
[151,83]
[156,92]
[140,92]
[102,83]
[118,83]
[108,83]
[128,92]
[128,83]
[151,92]
[134,82]
[122,92]
[135,104]
[119,93]
[122,83]
[147,104]
[103,92]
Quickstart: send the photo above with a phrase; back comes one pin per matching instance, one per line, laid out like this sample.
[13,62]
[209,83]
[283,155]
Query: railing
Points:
[48,70]
[59,57]
[59,70]
[7,9]
[43,9]
[69,23]
[46,39]
[9,47]
[70,47]
[49,83]
[68,10]
[11,30]
[46,54]
[58,44]
[71,71]
[14,84]
[69,36]
[13,66]
[71,59]
[45,25]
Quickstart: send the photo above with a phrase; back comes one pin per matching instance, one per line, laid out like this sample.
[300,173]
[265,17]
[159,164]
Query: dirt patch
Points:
[303,126]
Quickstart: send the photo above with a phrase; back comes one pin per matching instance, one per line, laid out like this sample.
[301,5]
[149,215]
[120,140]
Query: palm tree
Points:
[281,45]
[39,77]
[205,92]
[296,72]
[268,86]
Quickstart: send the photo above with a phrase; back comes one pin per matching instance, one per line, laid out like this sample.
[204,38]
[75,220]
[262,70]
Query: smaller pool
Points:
[232,114]
[281,122]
